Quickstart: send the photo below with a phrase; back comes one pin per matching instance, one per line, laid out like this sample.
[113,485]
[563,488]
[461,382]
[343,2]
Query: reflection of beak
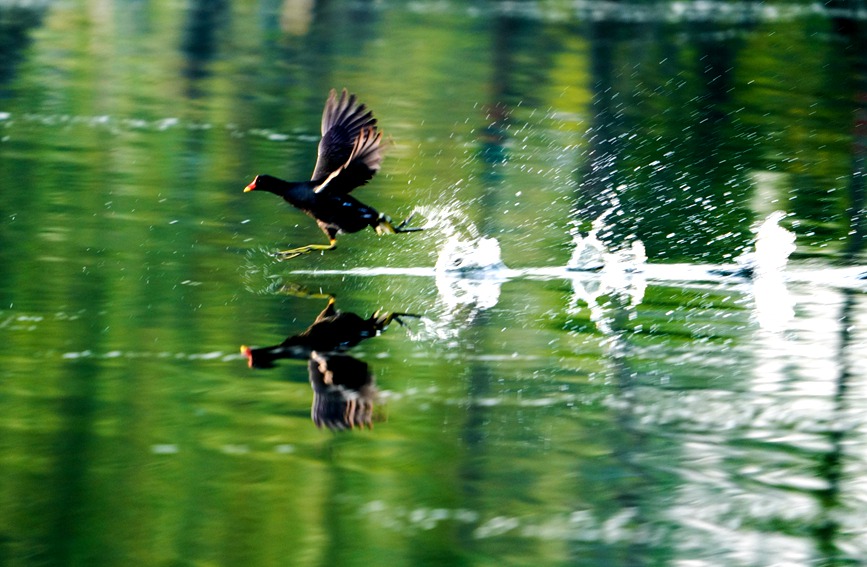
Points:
[250,187]
[247,351]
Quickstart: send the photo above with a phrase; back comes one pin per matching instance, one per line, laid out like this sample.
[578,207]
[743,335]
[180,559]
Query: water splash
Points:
[620,284]
[468,270]
[459,255]
[448,220]
[482,293]
[774,245]
[607,295]
[590,254]
[775,308]
[461,247]
[260,272]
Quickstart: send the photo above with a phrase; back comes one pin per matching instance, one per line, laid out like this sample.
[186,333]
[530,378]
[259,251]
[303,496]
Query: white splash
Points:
[605,294]
[480,292]
[463,247]
[447,220]
[774,245]
[590,254]
[619,282]
[774,306]
[469,270]
[468,279]
[459,255]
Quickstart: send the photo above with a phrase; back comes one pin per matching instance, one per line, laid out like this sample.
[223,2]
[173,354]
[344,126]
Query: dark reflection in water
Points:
[16,23]
[852,35]
[344,389]
[634,489]
[598,172]
[665,132]
[204,21]
[827,529]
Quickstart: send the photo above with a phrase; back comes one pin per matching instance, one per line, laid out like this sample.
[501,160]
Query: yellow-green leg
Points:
[386,225]
[382,319]
[295,252]
[298,290]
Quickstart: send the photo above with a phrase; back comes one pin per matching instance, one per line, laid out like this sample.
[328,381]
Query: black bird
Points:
[344,391]
[344,388]
[350,153]
[332,331]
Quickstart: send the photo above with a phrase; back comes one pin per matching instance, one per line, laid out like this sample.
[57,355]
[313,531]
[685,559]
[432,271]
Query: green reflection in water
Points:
[526,425]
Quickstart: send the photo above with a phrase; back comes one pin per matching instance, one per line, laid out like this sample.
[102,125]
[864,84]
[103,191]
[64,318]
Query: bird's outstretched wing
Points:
[342,121]
[363,162]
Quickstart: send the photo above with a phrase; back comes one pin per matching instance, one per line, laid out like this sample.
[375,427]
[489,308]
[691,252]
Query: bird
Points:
[349,155]
[344,391]
[332,331]
[344,387]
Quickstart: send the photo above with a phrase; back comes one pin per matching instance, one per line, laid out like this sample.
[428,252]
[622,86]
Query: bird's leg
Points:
[295,252]
[386,226]
[403,228]
[382,320]
[298,290]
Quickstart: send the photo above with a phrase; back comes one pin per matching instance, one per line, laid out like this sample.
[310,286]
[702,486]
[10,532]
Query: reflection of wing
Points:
[329,311]
[342,121]
[343,391]
[362,164]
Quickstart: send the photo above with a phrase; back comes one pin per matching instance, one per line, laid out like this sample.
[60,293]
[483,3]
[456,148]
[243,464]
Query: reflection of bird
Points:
[350,153]
[343,391]
[343,386]
[331,331]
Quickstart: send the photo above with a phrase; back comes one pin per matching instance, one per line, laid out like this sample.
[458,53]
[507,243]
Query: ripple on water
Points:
[212,355]
[117,125]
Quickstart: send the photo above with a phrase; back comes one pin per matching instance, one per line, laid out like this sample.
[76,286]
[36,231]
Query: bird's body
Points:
[333,212]
[332,331]
[350,153]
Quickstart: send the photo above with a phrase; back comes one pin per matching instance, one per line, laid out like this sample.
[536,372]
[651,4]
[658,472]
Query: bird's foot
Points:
[385,226]
[295,252]
[300,290]
[383,319]
[403,228]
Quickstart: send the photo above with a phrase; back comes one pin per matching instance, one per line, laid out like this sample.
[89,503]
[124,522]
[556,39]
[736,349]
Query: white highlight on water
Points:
[590,254]
[774,244]
[468,270]
[775,308]
[620,282]
[460,255]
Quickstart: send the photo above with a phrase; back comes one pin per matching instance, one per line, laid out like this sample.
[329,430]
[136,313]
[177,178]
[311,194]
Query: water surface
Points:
[529,415]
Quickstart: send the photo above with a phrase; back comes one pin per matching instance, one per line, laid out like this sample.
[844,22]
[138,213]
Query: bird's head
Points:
[248,352]
[262,183]
[253,184]
[257,357]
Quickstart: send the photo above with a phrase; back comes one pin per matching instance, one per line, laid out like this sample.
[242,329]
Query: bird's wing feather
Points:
[363,162]
[342,121]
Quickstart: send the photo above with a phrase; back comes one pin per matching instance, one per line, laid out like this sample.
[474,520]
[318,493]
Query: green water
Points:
[534,417]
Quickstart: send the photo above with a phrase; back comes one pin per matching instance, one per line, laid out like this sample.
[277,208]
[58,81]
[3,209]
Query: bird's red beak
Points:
[250,187]
[247,351]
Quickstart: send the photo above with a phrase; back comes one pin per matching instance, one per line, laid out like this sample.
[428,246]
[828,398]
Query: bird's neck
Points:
[296,192]
[283,188]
